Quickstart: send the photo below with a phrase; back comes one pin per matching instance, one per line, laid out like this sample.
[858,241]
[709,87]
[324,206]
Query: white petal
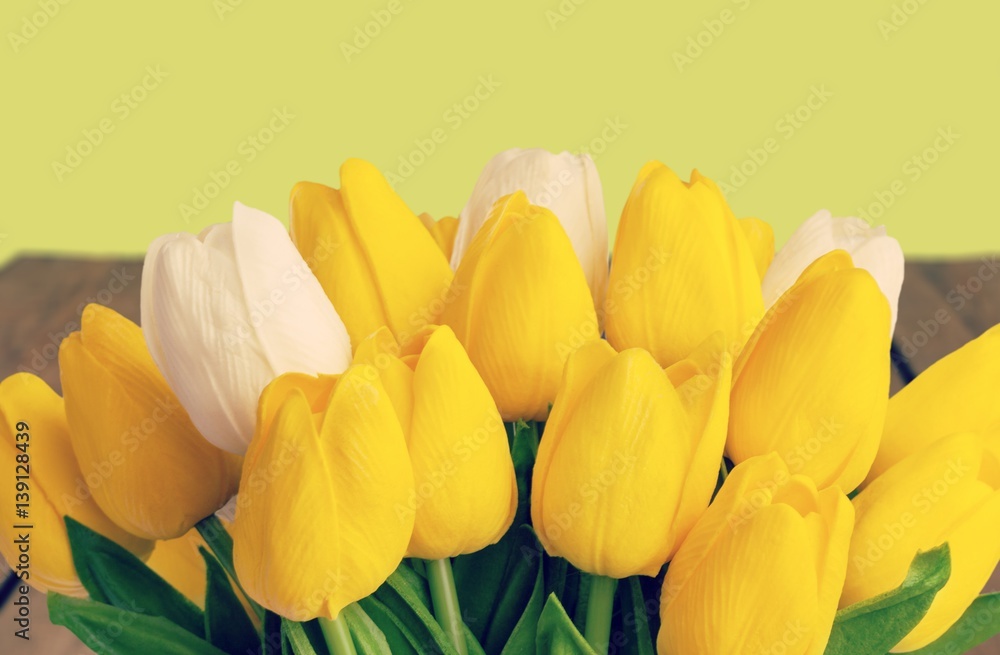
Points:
[869,247]
[565,183]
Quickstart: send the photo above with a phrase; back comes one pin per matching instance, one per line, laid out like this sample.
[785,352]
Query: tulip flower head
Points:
[321,519]
[682,269]
[145,463]
[35,441]
[630,456]
[762,569]
[521,306]
[813,382]
[465,488]
[226,312]
[374,258]
[949,492]
[565,183]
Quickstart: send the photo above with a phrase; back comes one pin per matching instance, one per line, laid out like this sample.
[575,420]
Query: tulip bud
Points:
[443,230]
[948,492]
[813,382]
[869,247]
[375,260]
[35,443]
[520,306]
[630,456]
[955,394]
[321,519]
[565,183]
[762,568]
[682,269]
[465,489]
[146,465]
[227,311]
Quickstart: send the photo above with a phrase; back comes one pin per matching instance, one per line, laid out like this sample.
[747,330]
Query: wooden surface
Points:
[943,305]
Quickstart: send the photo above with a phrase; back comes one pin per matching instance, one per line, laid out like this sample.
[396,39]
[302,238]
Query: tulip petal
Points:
[443,230]
[760,238]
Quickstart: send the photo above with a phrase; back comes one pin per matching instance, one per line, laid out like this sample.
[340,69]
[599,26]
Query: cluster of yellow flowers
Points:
[348,389]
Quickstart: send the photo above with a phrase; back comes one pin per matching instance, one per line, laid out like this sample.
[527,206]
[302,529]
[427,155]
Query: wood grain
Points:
[943,305]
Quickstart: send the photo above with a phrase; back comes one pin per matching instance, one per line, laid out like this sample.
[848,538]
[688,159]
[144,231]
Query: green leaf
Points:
[227,625]
[295,634]
[418,623]
[417,582]
[220,543]
[637,639]
[109,630]
[873,626]
[522,637]
[271,639]
[520,579]
[978,624]
[400,639]
[114,576]
[368,639]
[479,577]
[556,633]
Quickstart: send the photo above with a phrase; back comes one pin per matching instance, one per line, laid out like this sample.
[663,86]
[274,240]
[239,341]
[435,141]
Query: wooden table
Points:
[943,305]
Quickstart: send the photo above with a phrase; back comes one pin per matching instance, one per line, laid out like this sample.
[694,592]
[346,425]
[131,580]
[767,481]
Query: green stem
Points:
[723,470]
[445,601]
[337,636]
[599,607]
[221,545]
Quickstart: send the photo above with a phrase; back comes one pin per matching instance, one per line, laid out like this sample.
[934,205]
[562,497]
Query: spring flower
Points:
[955,394]
[375,260]
[630,456]
[465,489]
[520,306]
[146,465]
[321,520]
[35,443]
[869,247]
[227,311]
[443,230]
[946,492]
[762,569]
[682,268]
[565,183]
[813,382]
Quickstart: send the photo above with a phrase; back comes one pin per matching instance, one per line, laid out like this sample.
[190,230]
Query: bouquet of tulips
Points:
[380,433]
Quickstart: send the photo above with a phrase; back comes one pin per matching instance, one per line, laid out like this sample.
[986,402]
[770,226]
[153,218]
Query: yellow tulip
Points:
[956,394]
[146,465]
[682,269]
[760,238]
[465,489]
[813,382]
[178,562]
[762,569]
[630,456]
[35,443]
[947,492]
[520,305]
[321,519]
[443,230]
[373,257]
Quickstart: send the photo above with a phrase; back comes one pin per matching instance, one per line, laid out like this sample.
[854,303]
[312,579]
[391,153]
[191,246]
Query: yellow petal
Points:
[443,230]
[813,382]
[760,237]
[606,487]
[146,465]
[682,269]
[382,353]
[466,491]
[33,416]
[954,395]
[518,331]
[179,563]
[356,468]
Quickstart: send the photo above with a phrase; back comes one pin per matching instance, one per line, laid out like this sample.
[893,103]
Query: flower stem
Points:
[445,601]
[599,607]
[220,543]
[723,470]
[337,636]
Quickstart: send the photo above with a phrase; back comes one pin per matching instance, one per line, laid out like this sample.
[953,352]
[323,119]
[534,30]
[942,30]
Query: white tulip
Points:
[565,183]
[227,311]
[869,247]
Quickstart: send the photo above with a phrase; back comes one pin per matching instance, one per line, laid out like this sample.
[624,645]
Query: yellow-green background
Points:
[607,60]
